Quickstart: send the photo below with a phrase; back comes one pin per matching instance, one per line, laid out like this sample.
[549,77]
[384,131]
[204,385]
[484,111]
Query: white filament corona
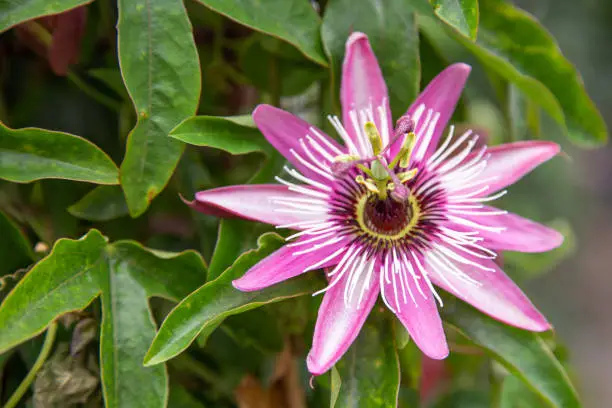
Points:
[405,274]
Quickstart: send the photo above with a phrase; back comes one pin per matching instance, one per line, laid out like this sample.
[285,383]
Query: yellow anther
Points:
[373,137]
[345,158]
[407,175]
[368,183]
[406,150]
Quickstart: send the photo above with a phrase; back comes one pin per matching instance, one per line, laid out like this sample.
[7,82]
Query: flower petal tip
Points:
[354,37]
[539,324]
[186,201]
[243,285]
[436,349]
[557,239]
[262,107]
[437,354]
[460,68]
[236,284]
[545,148]
[532,321]
[315,367]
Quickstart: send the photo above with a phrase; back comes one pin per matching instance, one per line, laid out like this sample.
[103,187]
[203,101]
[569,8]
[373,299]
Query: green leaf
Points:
[514,44]
[134,275]
[103,203]
[15,250]
[392,31]
[13,12]
[160,67]
[169,275]
[522,114]
[210,304]
[276,72]
[461,14]
[370,370]
[223,133]
[127,329]
[293,21]
[111,77]
[336,383]
[31,154]
[525,354]
[514,394]
[181,398]
[66,280]
[126,275]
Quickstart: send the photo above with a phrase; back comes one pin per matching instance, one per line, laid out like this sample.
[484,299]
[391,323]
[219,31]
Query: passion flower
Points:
[391,212]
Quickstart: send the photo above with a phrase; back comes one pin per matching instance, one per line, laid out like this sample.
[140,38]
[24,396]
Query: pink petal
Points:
[338,325]
[521,234]
[285,264]
[284,131]
[496,295]
[363,85]
[251,202]
[508,163]
[441,95]
[420,316]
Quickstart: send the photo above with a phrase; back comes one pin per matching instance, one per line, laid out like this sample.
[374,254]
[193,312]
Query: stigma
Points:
[381,175]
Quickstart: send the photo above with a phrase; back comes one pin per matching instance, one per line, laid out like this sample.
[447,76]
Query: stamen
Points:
[373,137]
[405,153]
[407,175]
[369,184]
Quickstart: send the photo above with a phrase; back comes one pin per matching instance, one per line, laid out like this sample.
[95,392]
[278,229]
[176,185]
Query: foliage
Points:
[154,103]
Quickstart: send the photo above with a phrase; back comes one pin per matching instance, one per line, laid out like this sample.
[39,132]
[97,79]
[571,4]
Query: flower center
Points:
[386,219]
[379,175]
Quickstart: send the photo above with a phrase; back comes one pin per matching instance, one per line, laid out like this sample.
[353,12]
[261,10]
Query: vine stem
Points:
[45,37]
[42,357]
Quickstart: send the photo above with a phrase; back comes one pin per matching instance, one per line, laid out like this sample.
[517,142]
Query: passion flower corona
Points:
[392,211]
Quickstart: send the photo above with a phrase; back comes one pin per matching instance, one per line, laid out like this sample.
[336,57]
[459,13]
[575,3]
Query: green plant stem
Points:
[45,37]
[92,92]
[185,362]
[496,386]
[42,357]
[275,84]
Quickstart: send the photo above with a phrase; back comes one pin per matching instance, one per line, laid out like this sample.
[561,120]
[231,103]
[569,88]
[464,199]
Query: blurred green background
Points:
[577,295]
